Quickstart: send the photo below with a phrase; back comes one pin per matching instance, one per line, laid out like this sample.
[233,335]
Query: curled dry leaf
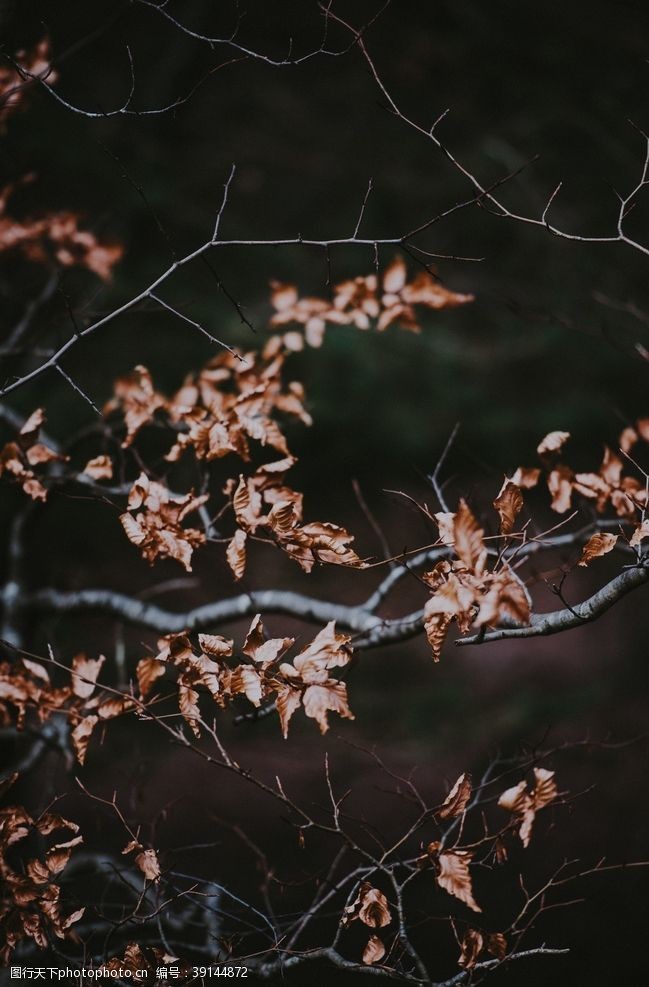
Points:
[469,540]
[641,532]
[524,804]
[84,674]
[553,442]
[146,860]
[147,671]
[457,799]
[370,906]
[453,875]
[475,942]
[445,524]
[497,945]
[472,945]
[374,951]
[81,736]
[188,704]
[137,399]
[436,626]
[289,699]
[236,554]
[328,649]
[560,483]
[597,545]
[307,680]
[508,503]
[505,599]
[319,700]
[261,651]
[99,468]
[465,592]
[526,477]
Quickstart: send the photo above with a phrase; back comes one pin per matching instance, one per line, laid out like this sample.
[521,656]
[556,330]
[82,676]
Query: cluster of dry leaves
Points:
[387,299]
[238,398]
[16,78]
[261,675]
[26,686]
[450,866]
[54,238]
[17,458]
[464,590]
[30,906]
[609,487]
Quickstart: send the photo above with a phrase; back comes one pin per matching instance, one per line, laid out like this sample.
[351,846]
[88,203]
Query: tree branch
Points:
[564,620]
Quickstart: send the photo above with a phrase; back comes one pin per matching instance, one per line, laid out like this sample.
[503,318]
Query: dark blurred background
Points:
[557,338]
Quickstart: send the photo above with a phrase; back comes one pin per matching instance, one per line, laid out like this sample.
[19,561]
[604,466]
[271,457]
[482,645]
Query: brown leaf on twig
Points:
[640,533]
[508,503]
[471,945]
[147,671]
[374,951]
[445,524]
[524,804]
[236,554]
[453,875]
[146,860]
[319,700]
[99,468]
[553,442]
[136,397]
[597,545]
[84,674]
[370,906]
[81,736]
[468,538]
[457,799]
[497,945]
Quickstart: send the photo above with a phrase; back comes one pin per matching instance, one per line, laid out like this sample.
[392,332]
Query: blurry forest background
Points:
[551,342]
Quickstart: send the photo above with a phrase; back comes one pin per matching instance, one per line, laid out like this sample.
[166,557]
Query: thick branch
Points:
[543,624]
[373,630]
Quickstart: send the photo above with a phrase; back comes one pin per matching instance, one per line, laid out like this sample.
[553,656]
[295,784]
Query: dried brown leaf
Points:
[318,700]
[453,875]
[374,951]
[471,945]
[236,553]
[508,503]
[468,538]
[147,671]
[99,468]
[597,545]
[553,442]
[457,799]
[84,674]
[81,736]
